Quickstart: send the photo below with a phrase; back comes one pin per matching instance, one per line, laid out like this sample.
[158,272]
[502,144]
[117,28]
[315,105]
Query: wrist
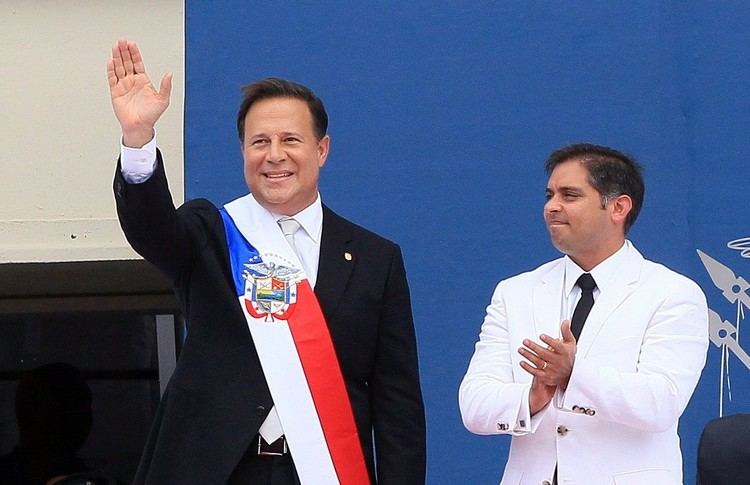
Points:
[137,138]
[539,396]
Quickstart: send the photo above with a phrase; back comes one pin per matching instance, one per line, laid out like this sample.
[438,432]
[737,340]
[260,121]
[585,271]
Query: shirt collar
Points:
[603,272]
[310,219]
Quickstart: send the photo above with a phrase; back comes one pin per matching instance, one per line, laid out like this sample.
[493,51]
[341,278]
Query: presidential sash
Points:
[294,347]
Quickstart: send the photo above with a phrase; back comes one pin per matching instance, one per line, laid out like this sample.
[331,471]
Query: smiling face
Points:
[282,154]
[577,223]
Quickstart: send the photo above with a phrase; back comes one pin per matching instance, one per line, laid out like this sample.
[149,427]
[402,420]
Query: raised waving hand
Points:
[136,103]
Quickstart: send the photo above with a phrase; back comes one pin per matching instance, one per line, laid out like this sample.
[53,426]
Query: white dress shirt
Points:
[603,273]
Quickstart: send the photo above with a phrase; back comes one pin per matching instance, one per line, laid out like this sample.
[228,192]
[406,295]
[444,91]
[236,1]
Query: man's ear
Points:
[620,207]
[323,146]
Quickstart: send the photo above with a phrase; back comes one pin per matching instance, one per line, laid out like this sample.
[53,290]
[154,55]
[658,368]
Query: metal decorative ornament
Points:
[723,333]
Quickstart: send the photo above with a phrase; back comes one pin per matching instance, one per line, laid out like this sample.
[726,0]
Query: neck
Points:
[589,261]
[286,210]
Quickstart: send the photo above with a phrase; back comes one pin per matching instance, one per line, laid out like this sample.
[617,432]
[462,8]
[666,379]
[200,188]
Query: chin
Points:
[560,246]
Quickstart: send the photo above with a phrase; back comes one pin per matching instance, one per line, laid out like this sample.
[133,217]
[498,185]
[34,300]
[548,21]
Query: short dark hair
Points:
[611,173]
[274,87]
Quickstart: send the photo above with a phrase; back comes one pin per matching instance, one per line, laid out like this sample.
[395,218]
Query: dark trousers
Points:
[254,469]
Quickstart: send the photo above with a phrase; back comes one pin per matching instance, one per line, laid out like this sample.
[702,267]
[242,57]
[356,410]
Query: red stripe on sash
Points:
[323,373]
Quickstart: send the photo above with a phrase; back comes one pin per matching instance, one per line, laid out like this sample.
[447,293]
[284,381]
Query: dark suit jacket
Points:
[724,451]
[218,397]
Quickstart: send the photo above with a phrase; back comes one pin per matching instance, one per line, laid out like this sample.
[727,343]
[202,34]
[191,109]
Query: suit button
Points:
[562,430]
[546,482]
[590,412]
[260,410]
[575,409]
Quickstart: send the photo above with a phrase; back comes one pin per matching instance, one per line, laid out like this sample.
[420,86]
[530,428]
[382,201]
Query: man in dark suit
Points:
[217,422]
[724,451]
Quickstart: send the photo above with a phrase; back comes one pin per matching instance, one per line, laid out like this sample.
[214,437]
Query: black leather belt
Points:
[277,448]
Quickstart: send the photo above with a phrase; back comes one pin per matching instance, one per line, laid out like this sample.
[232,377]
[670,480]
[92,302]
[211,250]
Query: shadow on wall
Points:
[53,409]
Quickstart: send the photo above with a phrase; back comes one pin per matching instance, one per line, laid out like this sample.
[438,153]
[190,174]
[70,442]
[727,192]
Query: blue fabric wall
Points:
[442,114]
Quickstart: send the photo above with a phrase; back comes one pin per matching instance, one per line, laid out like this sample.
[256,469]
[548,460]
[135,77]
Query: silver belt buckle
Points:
[262,452]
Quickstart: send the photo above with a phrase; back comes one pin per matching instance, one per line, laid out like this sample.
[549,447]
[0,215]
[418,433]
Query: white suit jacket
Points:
[638,360]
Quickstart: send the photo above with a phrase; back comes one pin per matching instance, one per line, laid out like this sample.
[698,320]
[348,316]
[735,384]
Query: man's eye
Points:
[258,142]
[291,139]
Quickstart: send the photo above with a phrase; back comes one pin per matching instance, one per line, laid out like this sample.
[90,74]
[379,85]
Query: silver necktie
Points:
[289,226]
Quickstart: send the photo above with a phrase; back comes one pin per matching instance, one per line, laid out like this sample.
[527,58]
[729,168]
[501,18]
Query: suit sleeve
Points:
[672,356]
[152,225]
[489,398]
[395,394]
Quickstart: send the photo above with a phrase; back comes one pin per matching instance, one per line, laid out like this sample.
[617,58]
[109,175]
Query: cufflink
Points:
[348,256]
[502,427]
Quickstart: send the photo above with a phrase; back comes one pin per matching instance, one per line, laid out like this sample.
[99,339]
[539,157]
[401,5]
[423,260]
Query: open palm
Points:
[136,103]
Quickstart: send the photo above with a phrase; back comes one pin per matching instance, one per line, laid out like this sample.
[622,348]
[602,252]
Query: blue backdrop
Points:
[442,114]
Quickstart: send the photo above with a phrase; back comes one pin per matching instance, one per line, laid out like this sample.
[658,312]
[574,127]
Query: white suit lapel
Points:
[625,280]
[547,301]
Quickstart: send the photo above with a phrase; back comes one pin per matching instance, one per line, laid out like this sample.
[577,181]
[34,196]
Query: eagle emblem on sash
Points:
[270,289]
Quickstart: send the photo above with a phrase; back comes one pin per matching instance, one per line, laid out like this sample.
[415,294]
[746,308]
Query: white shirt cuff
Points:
[138,164]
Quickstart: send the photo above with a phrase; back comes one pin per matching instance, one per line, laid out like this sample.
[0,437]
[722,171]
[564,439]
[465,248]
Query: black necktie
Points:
[587,284]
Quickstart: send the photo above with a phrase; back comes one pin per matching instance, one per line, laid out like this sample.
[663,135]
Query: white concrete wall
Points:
[58,137]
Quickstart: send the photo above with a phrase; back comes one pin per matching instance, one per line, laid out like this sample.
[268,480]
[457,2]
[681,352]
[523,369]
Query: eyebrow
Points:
[263,134]
[568,188]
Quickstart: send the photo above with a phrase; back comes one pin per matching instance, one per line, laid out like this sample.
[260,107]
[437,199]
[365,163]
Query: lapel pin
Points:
[348,256]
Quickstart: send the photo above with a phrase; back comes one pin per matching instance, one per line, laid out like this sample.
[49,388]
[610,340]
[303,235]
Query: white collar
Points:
[603,272]
[310,219]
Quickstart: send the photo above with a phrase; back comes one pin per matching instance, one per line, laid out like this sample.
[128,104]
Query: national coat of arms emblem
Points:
[270,289]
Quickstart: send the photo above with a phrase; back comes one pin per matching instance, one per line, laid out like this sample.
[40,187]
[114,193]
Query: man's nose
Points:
[551,206]
[275,151]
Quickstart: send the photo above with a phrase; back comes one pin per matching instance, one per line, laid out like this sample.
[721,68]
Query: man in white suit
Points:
[597,403]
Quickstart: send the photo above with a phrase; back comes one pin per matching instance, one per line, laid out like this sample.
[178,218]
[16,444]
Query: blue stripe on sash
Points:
[240,251]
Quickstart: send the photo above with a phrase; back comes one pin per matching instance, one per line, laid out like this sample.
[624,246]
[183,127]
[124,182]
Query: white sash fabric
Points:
[278,354]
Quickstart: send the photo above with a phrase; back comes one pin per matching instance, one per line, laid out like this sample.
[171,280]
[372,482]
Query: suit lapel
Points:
[334,267]
[625,281]
[547,301]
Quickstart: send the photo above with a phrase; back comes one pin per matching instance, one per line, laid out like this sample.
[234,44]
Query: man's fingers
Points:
[531,357]
[165,87]
[111,76]
[531,369]
[119,69]
[539,375]
[567,333]
[544,352]
[127,59]
[137,58]
[553,344]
